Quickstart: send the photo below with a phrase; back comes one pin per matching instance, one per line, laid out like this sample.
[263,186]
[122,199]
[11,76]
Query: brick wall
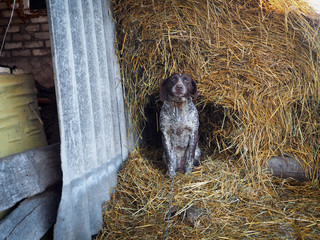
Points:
[27,45]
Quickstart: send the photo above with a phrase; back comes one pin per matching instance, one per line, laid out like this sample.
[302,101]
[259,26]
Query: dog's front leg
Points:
[171,160]
[193,141]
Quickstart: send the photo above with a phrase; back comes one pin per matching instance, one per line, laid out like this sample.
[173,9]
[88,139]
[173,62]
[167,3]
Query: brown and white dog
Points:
[179,123]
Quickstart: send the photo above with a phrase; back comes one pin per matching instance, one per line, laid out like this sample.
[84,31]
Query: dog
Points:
[179,123]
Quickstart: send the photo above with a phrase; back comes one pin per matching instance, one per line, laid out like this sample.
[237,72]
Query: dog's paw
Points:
[170,174]
[196,163]
[188,170]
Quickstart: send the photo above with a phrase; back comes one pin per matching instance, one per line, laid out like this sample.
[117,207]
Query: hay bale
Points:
[257,60]
[216,201]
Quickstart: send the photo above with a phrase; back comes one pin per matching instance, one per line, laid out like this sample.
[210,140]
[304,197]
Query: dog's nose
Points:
[179,87]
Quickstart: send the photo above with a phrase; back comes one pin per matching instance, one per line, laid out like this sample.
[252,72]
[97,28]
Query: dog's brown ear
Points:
[194,91]
[163,90]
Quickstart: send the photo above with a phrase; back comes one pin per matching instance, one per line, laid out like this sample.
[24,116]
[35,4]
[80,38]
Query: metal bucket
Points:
[20,123]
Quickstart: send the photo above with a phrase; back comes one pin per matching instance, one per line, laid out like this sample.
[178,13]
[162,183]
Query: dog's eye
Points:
[186,79]
[173,79]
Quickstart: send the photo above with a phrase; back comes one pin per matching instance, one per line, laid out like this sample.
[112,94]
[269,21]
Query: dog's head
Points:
[178,87]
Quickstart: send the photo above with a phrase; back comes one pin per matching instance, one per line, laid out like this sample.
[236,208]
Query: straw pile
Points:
[216,201]
[256,63]
[255,60]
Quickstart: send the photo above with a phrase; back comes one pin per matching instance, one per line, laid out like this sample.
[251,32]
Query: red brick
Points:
[5,54]
[17,20]
[45,27]
[8,38]
[4,21]
[21,53]
[21,37]
[33,44]
[48,43]
[4,5]
[14,28]
[32,28]
[42,35]
[43,19]
[13,45]
[41,52]
[7,13]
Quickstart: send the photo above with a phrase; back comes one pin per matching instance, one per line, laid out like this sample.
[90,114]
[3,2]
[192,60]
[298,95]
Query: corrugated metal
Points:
[91,114]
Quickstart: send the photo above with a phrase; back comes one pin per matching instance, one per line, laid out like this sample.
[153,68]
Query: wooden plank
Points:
[28,173]
[32,218]
[286,167]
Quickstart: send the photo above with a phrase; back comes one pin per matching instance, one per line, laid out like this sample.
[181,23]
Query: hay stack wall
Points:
[257,61]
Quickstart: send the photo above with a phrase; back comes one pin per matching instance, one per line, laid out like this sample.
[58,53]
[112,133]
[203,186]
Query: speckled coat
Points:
[179,123]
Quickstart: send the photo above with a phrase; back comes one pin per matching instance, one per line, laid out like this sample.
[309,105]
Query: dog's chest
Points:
[182,120]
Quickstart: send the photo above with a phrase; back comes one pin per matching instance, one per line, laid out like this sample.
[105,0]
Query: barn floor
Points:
[219,200]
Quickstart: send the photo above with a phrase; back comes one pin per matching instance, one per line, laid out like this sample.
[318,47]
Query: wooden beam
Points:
[32,218]
[28,173]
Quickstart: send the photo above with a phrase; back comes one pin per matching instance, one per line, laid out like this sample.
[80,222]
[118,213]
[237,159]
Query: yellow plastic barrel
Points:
[21,127]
